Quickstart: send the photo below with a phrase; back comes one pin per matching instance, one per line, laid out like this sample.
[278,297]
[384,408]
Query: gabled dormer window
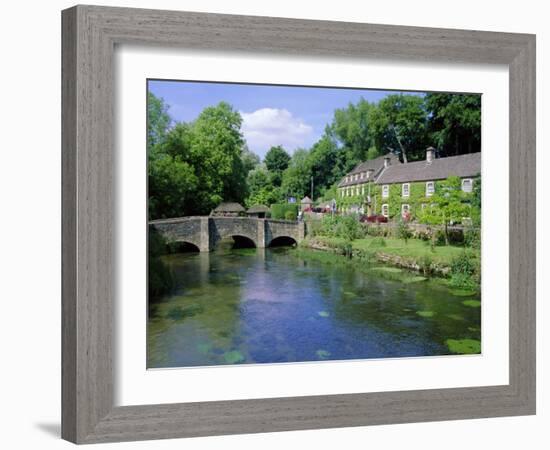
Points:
[405,189]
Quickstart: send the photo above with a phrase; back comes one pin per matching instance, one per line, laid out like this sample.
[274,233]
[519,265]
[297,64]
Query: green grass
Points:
[414,248]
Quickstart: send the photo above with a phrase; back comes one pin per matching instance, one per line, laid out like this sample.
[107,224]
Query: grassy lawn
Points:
[413,248]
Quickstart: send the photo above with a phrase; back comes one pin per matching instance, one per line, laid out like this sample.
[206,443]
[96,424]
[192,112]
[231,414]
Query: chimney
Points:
[430,155]
[387,160]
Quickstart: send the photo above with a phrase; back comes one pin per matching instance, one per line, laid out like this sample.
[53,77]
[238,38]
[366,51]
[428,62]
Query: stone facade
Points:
[206,232]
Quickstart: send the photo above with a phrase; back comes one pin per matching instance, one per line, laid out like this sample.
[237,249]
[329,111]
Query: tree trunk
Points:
[403,152]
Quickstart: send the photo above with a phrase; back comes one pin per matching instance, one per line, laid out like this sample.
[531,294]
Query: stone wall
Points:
[206,232]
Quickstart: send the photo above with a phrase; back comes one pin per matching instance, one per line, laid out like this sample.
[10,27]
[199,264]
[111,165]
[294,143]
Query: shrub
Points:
[290,215]
[465,270]
[472,238]
[279,210]
[455,236]
[403,231]
[426,265]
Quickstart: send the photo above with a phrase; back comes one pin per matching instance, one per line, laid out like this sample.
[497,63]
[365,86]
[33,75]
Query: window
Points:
[404,209]
[385,212]
[430,188]
[357,190]
[385,191]
[361,176]
[405,189]
[363,189]
[467,184]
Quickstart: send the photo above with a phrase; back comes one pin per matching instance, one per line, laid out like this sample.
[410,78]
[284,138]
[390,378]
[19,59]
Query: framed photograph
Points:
[278,224]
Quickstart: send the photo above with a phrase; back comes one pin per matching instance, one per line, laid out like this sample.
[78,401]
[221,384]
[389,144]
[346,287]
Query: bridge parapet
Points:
[205,232]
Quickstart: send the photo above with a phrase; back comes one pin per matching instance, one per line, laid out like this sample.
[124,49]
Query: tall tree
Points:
[351,128]
[209,152]
[158,120]
[297,177]
[325,163]
[276,160]
[399,123]
[455,122]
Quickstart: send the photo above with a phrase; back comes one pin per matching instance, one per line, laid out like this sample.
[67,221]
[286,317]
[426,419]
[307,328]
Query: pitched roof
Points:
[257,209]
[376,164]
[468,165]
[229,207]
[306,200]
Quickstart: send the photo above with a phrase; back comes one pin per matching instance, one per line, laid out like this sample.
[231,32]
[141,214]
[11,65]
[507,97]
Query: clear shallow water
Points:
[285,305]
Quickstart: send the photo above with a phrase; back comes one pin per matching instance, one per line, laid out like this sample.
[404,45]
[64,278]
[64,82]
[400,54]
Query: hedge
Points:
[279,211]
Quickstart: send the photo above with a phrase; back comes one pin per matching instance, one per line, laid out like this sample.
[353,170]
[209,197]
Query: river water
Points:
[244,306]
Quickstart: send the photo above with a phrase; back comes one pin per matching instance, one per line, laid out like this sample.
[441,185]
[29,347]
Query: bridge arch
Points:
[239,241]
[282,241]
[181,246]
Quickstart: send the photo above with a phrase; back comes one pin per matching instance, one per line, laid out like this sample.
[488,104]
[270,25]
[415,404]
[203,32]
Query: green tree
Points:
[297,177]
[261,190]
[172,184]
[324,163]
[399,123]
[276,160]
[351,127]
[211,151]
[454,122]
[158,120]
[449,205]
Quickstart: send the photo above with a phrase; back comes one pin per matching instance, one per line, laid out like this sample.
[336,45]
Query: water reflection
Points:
[237,306]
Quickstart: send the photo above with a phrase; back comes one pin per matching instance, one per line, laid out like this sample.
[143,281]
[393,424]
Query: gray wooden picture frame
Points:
[90,34]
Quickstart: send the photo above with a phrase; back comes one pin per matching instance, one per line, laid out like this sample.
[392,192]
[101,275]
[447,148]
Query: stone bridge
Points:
[205,232]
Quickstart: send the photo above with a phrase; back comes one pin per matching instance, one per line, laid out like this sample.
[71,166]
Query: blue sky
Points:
[293,117]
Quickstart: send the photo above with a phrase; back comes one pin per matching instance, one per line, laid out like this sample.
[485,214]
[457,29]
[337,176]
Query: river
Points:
[245,306]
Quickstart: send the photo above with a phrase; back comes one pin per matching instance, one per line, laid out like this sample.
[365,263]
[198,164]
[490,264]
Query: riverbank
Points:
[458,264]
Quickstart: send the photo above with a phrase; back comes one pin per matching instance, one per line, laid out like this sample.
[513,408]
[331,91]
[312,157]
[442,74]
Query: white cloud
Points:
[267,127]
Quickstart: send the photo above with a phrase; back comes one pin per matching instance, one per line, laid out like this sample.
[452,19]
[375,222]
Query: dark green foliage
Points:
[455,122]
[158,120]
[196,166]
[297,177]
[276,161]
[465,270]
[472,237]
[279,211]
[290,215]
[399,122]
[160,279]
[261,189]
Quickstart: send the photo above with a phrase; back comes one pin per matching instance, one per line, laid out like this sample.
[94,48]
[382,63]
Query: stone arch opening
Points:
[283,241]
[183,247]
[236,241]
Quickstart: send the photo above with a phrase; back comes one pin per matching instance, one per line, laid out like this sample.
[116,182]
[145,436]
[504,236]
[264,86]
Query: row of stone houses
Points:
[372,181]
